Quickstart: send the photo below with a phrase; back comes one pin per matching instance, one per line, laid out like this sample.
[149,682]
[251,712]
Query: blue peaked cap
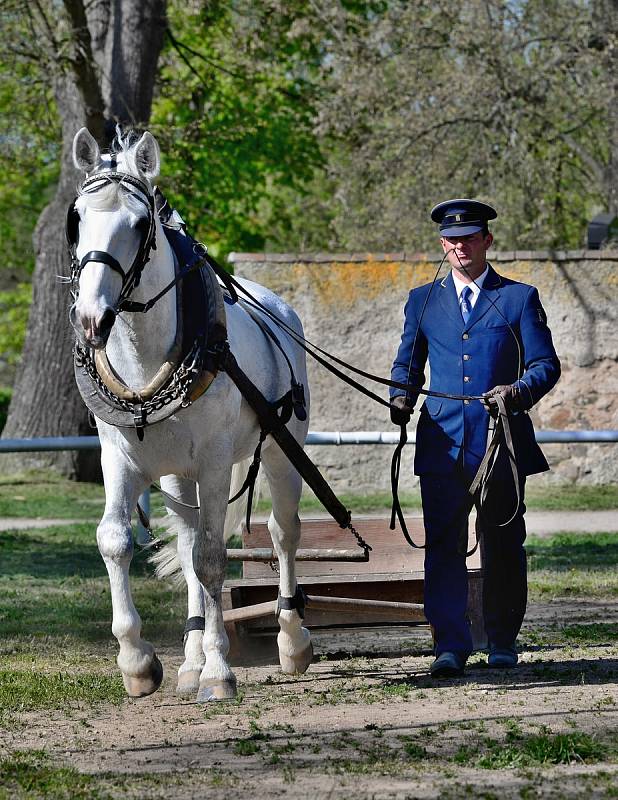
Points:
[462,217]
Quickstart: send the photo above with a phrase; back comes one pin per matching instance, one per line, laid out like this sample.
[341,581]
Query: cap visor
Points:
[460,230]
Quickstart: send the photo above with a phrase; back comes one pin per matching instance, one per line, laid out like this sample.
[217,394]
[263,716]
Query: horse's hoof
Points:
[298,663]
[212,690]
[188,683]
[142,686]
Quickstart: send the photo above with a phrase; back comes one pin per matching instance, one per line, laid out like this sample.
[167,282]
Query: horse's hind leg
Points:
[293,640]
[185,523]
[142,672]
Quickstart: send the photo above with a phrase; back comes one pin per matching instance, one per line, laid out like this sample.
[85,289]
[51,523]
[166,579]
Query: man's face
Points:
[467,254]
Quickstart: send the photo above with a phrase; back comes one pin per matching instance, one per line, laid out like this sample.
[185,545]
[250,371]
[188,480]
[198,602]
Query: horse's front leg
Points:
[293,640]
[142,672]
[185,525]
[217,681]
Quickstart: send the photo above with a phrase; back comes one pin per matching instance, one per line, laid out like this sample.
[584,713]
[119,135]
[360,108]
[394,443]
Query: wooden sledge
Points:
[343,593]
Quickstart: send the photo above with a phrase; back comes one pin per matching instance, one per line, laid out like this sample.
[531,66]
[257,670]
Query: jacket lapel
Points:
[448,300]
[487,297]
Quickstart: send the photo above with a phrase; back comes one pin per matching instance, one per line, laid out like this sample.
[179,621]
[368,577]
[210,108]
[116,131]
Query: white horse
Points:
[192,452]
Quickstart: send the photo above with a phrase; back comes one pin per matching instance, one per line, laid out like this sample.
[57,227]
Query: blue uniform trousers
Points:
[446,508]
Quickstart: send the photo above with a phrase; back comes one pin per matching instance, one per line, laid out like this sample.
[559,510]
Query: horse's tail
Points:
[165,557]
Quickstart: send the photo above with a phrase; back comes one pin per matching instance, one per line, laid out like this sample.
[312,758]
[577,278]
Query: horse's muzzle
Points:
[94,331]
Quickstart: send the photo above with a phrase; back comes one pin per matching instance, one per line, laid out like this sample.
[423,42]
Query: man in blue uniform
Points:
[482,334]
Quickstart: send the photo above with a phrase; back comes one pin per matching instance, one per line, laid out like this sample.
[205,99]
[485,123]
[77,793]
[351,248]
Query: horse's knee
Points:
[209,564]
[115,540]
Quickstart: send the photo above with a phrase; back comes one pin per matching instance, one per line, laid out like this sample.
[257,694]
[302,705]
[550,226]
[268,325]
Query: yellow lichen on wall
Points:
[349,283]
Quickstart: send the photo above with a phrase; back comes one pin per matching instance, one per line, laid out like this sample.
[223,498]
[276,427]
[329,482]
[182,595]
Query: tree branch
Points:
[83,68]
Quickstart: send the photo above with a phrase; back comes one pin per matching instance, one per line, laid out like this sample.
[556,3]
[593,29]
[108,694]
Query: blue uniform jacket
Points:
[469,359]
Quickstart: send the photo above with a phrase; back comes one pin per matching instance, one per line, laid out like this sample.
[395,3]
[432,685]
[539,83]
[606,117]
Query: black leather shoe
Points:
[502,657]
[447,665]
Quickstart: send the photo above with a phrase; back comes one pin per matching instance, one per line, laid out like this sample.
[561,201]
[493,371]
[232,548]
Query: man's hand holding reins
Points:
[509,393]
[401,410]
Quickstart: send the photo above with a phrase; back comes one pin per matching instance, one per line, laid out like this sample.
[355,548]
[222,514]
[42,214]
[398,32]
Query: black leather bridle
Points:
[147,227]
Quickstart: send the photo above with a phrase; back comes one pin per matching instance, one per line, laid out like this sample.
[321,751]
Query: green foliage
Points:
[30,135]
[234,118]
[5,402]
[14,309]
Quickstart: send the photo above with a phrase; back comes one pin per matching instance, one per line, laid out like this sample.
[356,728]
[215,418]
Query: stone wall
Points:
[352,306]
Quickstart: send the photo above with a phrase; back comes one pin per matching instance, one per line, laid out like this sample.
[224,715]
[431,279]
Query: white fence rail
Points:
[50,443]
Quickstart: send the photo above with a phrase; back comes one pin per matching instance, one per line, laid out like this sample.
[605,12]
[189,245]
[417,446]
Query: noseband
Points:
[130,278]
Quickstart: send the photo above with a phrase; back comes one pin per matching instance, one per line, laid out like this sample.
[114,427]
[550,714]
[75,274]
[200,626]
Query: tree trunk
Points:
[123,40]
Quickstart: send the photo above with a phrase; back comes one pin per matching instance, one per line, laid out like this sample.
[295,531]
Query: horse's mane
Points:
[112,195]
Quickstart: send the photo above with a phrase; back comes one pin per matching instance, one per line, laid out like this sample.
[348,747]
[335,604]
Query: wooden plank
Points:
[333,605]
[267,554]
[390,554]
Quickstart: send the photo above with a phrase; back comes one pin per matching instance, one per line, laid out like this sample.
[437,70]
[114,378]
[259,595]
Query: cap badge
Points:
[457,217]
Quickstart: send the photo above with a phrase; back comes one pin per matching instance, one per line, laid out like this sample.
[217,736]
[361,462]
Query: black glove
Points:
[401,410]
[510,394]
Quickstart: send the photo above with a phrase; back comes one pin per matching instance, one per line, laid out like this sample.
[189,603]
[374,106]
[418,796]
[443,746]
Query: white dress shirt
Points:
[475,287]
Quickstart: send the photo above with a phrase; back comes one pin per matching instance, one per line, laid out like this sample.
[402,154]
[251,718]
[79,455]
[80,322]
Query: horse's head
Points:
[110,228]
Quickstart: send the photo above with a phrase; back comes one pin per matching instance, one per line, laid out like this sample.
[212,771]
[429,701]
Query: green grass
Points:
[32,774]
[53,581]
[536,750]
[571,498]
[27,690]
[573,564]
[565,551]
[29,774]
[43,494]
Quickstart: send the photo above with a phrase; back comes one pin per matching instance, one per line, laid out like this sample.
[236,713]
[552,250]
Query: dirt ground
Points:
[364,722]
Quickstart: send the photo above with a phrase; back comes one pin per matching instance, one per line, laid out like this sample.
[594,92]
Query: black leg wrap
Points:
[193,624]
[299,601]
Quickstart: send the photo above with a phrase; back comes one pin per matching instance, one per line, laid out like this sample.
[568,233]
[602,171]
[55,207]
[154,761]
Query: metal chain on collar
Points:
[177,389]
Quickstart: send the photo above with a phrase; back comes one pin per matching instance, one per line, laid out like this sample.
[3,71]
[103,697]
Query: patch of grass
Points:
[565,551]
[29,774]
[584,584]
[26,690]
[573,564]
[49,497]
[532,750]
[54,580]
[592,633]
[359,504]
[572,498]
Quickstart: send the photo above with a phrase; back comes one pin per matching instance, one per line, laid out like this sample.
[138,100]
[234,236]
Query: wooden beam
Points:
[336,605]
[266,554]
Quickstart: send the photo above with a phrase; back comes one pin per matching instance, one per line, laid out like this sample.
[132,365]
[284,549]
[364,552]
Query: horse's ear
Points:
[147,156]
[86,153]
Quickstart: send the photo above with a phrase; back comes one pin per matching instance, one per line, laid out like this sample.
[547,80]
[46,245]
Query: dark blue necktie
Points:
[466,308]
